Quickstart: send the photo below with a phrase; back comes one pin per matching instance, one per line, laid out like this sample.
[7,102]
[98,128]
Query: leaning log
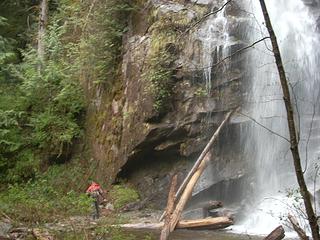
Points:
[187,192]
[170,207]
[201,157]
[206,223]
[276,234]
[301,233]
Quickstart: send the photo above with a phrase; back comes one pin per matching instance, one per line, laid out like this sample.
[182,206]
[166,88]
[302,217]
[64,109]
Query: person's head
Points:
[90,181]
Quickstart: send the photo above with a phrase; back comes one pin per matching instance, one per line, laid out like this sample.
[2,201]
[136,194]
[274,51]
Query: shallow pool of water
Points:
[197,235]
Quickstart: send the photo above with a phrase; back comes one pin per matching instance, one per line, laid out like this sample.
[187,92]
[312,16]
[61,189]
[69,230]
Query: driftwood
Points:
[206,223]
[187,193]
[301,233]
[276,234]
[170,207]
[41,235]
[201,157]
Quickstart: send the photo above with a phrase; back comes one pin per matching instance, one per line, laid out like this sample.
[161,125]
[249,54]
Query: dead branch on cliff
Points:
[233,54]
[206,16]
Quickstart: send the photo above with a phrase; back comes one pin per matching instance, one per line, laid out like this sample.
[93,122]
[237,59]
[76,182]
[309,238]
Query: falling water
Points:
[266,147]
[207,34]
[215,40]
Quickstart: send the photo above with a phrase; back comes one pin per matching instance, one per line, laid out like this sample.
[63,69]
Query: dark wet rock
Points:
[134,206]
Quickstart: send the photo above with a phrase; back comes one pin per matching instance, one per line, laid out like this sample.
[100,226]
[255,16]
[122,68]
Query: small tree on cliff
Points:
[292,126]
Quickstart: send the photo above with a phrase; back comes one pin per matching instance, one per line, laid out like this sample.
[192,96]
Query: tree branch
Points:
[261,125]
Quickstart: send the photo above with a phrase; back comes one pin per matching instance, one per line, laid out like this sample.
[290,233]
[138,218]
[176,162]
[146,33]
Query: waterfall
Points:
[207,34]
[266,147]
[215,40]
[272,183]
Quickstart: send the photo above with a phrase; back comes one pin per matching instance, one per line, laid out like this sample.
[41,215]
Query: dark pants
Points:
[96,210]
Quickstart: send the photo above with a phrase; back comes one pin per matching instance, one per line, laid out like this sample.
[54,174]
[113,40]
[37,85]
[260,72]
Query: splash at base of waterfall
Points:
[269,213]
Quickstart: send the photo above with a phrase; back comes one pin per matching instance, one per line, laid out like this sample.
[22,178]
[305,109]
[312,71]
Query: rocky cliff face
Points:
[161,113]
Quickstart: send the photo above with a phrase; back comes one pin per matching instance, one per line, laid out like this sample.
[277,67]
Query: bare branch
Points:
[314,188]
[261,125]
[233,54]
[206,16]
[88,15]
[308,139]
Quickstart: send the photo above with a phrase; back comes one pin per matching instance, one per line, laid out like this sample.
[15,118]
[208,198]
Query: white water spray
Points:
[266,147]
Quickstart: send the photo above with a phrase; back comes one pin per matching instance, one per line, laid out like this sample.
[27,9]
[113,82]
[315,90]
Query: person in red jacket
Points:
[95,191]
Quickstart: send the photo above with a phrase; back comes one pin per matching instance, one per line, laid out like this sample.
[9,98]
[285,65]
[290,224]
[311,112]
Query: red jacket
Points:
[93,187]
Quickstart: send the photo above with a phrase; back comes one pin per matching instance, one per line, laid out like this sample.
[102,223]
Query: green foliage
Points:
[116,233]
[40,107]
[7,54]
[59,192]
[122,195]
[102,41]
[163,53]
[38,201]
[53,94]
[82,37]
[201,92]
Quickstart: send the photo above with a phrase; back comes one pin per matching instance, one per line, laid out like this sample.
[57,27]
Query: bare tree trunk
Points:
[291,125]
[301,233]
[43,20]
[170,207]
[187,192]
[201,157]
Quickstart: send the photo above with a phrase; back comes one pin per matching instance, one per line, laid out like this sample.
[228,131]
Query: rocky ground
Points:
[76,225]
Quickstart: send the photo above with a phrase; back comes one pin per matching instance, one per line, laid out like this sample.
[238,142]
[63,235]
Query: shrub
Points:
[122,195]
[38,201]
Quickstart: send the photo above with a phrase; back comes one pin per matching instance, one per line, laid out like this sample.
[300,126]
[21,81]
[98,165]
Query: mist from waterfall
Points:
[272,183]
[266,147]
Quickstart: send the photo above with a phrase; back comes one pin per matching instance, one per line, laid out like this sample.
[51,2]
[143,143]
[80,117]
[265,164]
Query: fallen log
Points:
[276,234]
[301,233]
[170,207]
[187,193]
[201,157]
[206,223]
